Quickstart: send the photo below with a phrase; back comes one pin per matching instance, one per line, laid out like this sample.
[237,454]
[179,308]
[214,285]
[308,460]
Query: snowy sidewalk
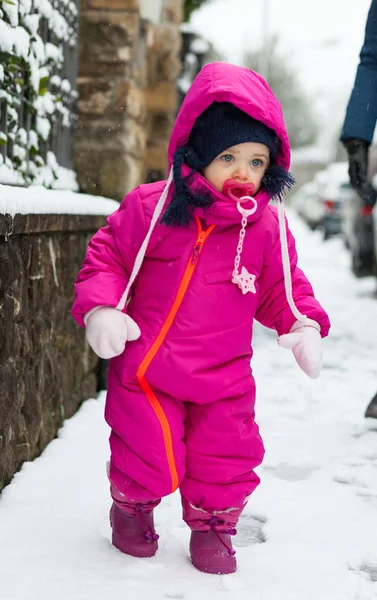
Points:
[309,532]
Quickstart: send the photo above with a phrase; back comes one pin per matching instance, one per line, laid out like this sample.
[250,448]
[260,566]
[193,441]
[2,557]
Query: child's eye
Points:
[256,162]
[227,158]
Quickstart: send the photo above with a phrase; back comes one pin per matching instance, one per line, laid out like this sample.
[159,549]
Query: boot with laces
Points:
[212,551]
[133,530]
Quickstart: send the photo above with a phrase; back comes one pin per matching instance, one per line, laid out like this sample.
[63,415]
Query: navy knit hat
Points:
[221,126]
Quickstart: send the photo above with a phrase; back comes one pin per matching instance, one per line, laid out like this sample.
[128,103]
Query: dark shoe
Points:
[133,531]
[371,410]
[212,551]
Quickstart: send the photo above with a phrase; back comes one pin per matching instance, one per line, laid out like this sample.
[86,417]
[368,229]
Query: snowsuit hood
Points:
[222,82]
[248,91]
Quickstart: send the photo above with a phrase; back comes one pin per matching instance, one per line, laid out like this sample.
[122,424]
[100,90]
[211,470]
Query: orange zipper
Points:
[202,236]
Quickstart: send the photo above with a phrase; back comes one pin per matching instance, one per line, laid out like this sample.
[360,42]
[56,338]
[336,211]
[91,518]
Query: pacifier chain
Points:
[244,280]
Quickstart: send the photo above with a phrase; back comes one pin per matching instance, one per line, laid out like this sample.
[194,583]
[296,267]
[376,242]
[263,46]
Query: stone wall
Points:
[46,368]
[128,69]
[161,94]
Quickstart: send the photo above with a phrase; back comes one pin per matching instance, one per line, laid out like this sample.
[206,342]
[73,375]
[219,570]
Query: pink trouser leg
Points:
[140,472]
[223,447]
[139,467]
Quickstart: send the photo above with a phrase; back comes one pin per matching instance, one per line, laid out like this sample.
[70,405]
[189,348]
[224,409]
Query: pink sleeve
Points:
[273,310]
[109,258]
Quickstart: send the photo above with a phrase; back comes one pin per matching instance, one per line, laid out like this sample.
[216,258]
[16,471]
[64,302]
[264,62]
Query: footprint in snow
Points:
[368,567]
[290,472]
[250,531]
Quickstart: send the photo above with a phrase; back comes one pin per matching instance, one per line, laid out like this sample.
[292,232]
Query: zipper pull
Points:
[195,253]
[197,247]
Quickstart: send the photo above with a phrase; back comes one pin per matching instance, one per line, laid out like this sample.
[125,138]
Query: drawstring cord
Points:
[286,266]
[213,522]
[143,248]
[149,533]
[242,279]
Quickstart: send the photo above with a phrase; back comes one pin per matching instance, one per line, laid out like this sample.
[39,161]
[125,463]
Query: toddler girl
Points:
[179,273]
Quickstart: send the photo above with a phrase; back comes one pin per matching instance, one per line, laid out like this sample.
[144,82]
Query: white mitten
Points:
[108,330]
[306,344]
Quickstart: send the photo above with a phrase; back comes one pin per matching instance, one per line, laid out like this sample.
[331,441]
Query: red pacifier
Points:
[239,192]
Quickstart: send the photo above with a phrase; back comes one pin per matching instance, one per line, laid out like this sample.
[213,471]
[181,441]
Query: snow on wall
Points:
[39,200]
[35,96]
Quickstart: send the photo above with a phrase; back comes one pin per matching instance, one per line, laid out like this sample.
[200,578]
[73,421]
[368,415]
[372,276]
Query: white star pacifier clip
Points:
[244,280]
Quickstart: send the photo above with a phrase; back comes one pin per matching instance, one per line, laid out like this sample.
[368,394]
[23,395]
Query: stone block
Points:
[161,97]
[120,174]
[107,37]
[155,157]
[6,328]
[112,68]
[10,403]
[163,56]
[160,126]
[172,11]
[130,99]
[121,5]
[88,165]
[135,138]
[110,131]
[109,172]
[96,95]
[123,134]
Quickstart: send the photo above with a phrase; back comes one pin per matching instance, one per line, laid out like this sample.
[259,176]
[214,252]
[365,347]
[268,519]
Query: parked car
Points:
[307,204]
[334,190]
[358,228]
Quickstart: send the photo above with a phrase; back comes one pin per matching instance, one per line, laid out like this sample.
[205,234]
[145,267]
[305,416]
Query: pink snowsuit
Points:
[180,400]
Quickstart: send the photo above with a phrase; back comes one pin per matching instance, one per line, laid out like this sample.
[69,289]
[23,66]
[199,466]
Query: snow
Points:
[20,37]
[314,514]
[43,127]
[44,7]
[16,36]
[50,175]
[65,179]
[66,86]
[184,83]
[37,199]
[19,152]
[199,46]
[9,175]
[11,10]
[308,154]
[32,23]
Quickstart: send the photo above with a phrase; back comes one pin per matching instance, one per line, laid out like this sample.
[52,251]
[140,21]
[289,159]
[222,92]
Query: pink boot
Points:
[212,551]
[133,530]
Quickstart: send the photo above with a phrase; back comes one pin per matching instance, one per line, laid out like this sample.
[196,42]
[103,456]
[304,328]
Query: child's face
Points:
[245,163]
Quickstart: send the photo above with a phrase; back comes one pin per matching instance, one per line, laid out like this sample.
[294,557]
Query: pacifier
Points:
[239,192]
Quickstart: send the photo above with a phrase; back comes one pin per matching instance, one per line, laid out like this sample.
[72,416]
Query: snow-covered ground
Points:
[309,532]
